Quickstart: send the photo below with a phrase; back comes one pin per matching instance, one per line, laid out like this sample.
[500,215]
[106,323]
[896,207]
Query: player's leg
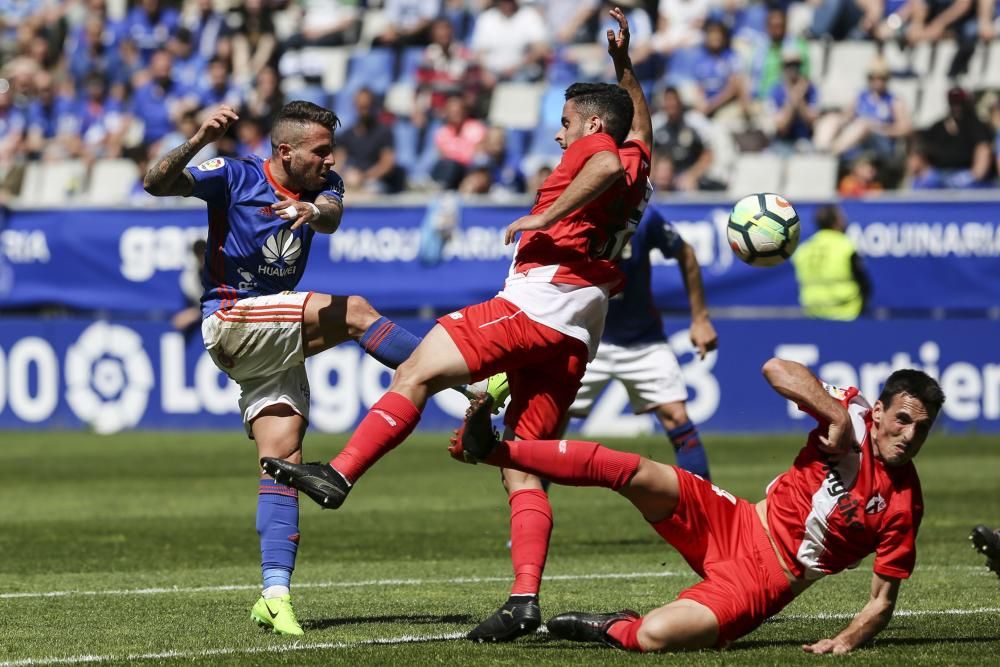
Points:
[678,626]
[655,383]
[329,320]
[684,436]
[986,541]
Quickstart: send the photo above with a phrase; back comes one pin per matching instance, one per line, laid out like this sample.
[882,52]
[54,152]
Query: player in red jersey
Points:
[852,491]
[541,328]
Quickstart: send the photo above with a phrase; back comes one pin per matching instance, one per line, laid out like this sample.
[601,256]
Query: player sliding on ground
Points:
[542,328]
[852,491]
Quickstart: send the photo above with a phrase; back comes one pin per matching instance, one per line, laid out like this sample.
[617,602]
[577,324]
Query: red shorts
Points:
[543,366]
[723,540]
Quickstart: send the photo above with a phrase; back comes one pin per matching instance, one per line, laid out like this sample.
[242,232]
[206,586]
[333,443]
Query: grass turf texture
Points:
[417,551]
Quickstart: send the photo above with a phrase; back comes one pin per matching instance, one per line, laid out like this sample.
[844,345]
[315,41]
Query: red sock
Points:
[626,633]
[570,462]
[387,424]
[530,528]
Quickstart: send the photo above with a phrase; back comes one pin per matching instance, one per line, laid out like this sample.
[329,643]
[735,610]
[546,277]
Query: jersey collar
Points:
[277,186]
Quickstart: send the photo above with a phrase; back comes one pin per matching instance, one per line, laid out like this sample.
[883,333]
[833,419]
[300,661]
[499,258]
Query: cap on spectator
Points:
[957,95]
[791,54]
[879,67]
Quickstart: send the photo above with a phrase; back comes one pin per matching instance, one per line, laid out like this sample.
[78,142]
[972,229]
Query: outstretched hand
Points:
[523,224]
[824,646]
[618,44]
[290,209]
[215,124]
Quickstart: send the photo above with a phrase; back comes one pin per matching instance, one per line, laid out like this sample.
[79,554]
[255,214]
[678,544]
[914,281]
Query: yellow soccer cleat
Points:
[277,614]
[498,389]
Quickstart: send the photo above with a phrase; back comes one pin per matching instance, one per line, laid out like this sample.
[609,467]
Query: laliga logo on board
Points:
[108,377]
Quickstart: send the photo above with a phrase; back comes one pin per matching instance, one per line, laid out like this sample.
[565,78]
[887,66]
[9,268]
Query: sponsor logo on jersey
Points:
[267,211]
[280,251]
[212,165]
[455,316]
[875,504]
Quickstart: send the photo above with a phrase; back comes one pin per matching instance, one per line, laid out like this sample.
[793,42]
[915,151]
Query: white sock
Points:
[272,592]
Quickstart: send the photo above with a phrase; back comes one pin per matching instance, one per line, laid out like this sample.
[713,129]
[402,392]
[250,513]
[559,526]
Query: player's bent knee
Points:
[360,315]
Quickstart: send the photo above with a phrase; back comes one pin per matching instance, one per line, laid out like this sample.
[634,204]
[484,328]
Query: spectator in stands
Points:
[446,68]
[572,21]
[12,127]
[150,24]
[679,24]
[987,24]
[717,72]
[934,19]
[492,171]
[206,26]
[187,123]
[683,144]
[877,122]
[161,100]
[795,105]
[640,30]
[833,282]
[126,66]
[960,145]
[459,14]
[456,142]
[366,154]
[920,175]
[186,319]
[409,22]
[251,28]
[188,64]
[511,42]
[265,99]
[861,180]
[251,138]
[218,88]
[767,62]
[848,19]
[104,118]
[92,45]
[53,122]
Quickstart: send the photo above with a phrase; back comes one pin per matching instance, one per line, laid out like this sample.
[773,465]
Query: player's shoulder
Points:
[635,146]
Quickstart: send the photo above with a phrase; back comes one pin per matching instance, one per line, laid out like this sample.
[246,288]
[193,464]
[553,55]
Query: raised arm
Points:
[642,126]
[869,622]
[167,176]
[796,383]
[599,173]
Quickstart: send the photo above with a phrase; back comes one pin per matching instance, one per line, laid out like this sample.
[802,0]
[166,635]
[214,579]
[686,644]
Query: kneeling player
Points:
[839,502]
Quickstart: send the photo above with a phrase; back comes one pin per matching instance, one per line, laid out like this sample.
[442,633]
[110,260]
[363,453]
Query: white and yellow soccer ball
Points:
[763,229]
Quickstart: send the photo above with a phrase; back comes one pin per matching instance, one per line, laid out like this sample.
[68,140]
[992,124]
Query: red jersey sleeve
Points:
[584,148]
[896,553]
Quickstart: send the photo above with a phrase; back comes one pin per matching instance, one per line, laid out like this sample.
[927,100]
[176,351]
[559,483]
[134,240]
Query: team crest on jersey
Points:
[837,392]
[212,165]
[875,504]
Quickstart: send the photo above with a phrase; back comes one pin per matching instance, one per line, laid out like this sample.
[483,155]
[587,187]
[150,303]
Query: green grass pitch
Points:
[141,548]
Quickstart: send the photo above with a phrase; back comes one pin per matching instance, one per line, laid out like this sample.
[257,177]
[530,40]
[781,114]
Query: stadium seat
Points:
[944,53]
[810,176]
[53,183]
[907,89]
[933,103]
[409,63]
[343,106]
[922,58]
[405,138]
[516,105]
[756,172]
[898,57]
[400,99]
[330,62]
[991,69]
[373,23]
[370,69]
[845,73]
[976,75]
[111,181]
[817,59]
[591,60]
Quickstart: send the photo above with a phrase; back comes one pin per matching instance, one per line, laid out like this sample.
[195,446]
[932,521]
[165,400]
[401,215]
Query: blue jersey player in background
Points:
[262,216]
[634,348]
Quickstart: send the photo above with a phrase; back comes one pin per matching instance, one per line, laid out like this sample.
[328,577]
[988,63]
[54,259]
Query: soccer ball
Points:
[763,229]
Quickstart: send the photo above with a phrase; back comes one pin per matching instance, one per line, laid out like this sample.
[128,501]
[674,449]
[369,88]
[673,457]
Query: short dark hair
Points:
[826,216]
[294,117]
[917,384]
[608,102]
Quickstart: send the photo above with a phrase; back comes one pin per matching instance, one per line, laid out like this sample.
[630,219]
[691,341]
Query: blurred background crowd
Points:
[808,98]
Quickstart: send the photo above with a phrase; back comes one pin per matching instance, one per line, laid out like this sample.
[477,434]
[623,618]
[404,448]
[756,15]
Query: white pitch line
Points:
[336,584]
[391,641]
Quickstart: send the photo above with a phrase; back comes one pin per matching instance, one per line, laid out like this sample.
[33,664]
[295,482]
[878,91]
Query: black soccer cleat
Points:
[317,480]
[987,542]
[476,438]
[513,620]
[578,626]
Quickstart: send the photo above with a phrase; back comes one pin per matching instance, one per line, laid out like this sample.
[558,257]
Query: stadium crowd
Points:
[465,94]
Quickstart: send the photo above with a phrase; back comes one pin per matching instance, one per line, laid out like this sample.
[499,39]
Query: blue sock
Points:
[278,527]
[388,343]
[690,452]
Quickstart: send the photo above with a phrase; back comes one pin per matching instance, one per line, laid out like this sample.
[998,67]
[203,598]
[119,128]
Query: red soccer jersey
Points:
[579,249]
[827,513]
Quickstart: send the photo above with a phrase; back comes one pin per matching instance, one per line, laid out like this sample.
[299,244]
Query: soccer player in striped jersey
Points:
[852,491]
[262,216]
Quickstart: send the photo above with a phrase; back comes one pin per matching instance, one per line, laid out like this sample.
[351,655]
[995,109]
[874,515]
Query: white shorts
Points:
[258,343]
[649,371]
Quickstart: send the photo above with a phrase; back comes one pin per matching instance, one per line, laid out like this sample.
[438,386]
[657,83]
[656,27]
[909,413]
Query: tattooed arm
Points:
[167,177]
